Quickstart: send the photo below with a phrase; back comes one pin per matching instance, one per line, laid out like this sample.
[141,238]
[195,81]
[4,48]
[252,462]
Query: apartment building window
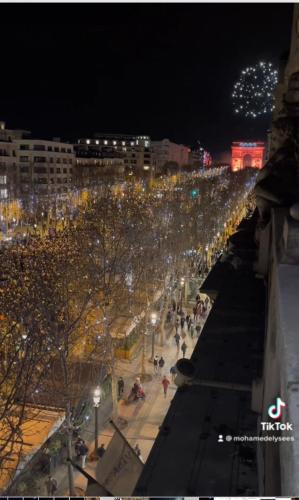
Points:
[24,147]
[65,170]
[58,160]
[57,170]
[24,158]
[3,193]
[39,159]
[3,179]
[69,150]
[52,180]
[50,148]
[40,180]
[24,170]
[40,170]
[71,170]
[39,147]
[63,150]
[64,160]
[56,150]
[65,180]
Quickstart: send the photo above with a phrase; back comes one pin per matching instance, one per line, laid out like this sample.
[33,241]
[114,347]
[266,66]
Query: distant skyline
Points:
[166,70]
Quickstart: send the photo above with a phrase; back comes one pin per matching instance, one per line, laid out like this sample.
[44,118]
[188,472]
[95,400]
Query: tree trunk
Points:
[69,451]
[162,322]
[114,414]
[164,311]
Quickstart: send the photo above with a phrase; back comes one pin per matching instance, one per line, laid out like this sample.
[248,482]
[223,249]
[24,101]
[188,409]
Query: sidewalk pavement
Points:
[143,417]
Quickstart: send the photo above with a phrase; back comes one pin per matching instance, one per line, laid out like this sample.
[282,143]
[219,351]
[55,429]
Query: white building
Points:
[45,167]
[8,160]
[33,165]
[166,151]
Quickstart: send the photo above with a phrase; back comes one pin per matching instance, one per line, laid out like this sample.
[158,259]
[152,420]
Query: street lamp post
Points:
[153,322]
[96,402]
[182,288]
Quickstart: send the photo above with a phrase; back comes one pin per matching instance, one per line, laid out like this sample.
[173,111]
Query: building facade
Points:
[44,167]
[8,161]
[134,150]
[33,165]
[166,151]
[195,158]
[247,154]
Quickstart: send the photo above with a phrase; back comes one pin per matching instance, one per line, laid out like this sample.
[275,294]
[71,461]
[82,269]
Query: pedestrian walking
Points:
[121,387]
[184,348]
[77,447]
[156,364]
[177,324]
[161,363]
[194,312]
[192,330]
[177,339]
[182,321]
[138,452]
[101,450]
[189,323]
[173,372]
[173,305]
[168,317]
[198,330]
[207,301]
[83,453]
[187,318]
[165,383]
[51,485]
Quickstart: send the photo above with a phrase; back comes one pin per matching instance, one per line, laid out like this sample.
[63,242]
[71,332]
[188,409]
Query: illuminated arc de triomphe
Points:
[247,154]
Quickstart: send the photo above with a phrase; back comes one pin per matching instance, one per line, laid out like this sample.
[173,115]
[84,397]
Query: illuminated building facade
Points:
[247,154]
[135,150]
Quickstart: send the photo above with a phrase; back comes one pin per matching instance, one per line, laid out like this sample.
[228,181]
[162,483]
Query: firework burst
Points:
[253,92]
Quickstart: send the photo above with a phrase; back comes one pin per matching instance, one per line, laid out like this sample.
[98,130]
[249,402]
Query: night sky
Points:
[165,70]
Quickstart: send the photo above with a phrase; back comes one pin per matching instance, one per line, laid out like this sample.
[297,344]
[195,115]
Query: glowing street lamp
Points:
[182,283]
[153,318]
[153,322]
[96,403]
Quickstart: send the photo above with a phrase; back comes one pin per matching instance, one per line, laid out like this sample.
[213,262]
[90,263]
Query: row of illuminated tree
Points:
[61,295]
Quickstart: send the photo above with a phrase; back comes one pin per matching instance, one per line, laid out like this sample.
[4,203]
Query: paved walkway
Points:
[143,417]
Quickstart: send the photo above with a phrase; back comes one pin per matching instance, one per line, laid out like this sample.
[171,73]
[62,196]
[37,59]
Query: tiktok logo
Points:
[275,411]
